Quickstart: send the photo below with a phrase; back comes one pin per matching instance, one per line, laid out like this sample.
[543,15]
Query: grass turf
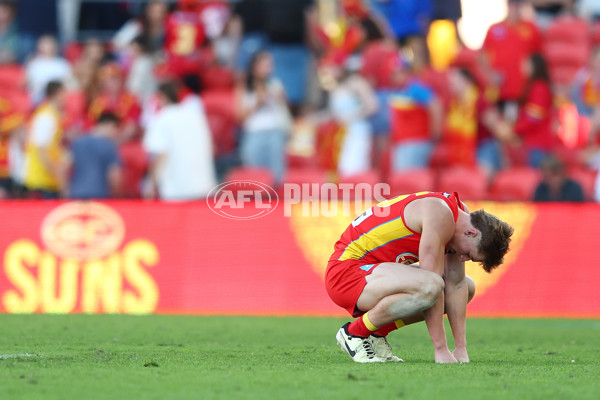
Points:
[183,357]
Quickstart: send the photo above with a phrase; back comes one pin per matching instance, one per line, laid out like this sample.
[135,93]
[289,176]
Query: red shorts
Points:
[345,281]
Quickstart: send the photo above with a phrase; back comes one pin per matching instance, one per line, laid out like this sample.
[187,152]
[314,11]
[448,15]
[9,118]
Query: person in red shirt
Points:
[115,99]
[507,44]
[184,36]
[534,122]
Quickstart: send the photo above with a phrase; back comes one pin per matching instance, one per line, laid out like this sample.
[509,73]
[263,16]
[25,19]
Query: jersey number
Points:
[186,39]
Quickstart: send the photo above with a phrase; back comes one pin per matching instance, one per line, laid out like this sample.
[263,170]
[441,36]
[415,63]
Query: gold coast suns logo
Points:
[407,258]
[84,265]
[83,231]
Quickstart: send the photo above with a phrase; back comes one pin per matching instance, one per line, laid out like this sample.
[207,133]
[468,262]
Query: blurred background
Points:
[500,95]
[498,100]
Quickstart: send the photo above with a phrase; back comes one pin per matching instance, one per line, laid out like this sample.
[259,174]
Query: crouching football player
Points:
[403,261]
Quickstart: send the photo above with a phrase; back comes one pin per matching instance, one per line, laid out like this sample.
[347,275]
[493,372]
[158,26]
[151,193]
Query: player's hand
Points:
[461,355]
[444,357]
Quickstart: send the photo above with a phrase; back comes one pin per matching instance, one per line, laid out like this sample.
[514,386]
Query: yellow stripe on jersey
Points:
[381,235]
[387,203]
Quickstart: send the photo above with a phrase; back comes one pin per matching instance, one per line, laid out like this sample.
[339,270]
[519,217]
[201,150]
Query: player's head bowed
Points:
[495,238]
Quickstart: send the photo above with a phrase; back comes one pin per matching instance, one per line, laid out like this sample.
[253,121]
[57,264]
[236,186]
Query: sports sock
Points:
[362,327]
[386,329]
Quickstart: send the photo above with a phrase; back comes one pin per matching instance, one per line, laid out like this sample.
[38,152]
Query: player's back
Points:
[381,234]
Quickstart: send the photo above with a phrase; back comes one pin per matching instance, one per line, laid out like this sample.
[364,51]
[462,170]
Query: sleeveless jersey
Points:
[380,234]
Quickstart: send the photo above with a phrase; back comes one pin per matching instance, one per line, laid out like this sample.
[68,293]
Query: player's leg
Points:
[395,291]
[392,291]
[418,317]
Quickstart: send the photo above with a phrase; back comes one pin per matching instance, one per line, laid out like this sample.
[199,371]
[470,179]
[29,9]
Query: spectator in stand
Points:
[184,38]
[547,10]
[141,81]
[586,91]
[96,169]
[9,38]
[151,26]
[416,121]
[11,122]
[266,120]
[409,21]
[351,102]
[251,14]
[45,66]
[507,44]
[87,68]
[115,99]
[373,24]
[534,122]
[180,144]
[45,155]
[556,185]
[286,25]
[474,128]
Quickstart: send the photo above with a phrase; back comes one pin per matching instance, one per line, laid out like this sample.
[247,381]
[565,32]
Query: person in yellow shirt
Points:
[45,155]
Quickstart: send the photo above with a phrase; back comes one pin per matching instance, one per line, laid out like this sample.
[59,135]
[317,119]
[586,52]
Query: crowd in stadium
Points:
[190,93]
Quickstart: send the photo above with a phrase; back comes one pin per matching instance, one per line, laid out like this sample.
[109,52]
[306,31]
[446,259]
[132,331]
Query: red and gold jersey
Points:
[380,234]
[184,33]
[125,106]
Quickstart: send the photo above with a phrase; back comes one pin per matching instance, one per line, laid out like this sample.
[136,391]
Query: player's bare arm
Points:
[435,221]
[456,294]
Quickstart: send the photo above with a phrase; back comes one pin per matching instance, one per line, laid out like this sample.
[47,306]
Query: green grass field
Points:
[183,357]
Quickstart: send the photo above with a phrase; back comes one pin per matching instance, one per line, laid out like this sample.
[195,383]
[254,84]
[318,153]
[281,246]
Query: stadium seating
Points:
[135,164]
[262,175]
[566,47]
[587,179]
[515,184]
[305,175]
[412,181]
[470,183]
[12,78]
[370,178]
[220,112]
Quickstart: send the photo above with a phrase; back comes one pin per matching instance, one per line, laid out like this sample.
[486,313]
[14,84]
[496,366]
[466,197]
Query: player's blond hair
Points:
[495,238]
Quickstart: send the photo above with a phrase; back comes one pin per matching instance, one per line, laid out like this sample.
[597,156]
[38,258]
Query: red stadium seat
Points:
[20,101]
[261,175]
[412,181]
[73,51]
[12,78]
[515,184]
[470,183]
[587,179]
[305,175]
[135,164]
[371,178]
[218,78]
[75,107]
[220,112]
[567,47]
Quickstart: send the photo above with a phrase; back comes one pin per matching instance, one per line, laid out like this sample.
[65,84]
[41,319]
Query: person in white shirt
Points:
[46,66]
[180,144]
[266,119]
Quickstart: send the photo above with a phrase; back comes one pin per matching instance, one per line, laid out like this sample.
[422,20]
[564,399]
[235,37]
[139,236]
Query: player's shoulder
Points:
[431,207]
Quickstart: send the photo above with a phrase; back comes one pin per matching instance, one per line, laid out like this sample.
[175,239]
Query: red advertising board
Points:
[150,257]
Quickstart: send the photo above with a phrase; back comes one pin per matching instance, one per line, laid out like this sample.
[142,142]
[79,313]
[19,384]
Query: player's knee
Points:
[471,287]
[431,289]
